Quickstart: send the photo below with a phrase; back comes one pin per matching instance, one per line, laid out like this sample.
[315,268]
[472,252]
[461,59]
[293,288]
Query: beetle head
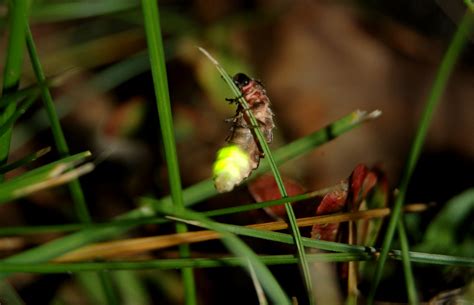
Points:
[241,80]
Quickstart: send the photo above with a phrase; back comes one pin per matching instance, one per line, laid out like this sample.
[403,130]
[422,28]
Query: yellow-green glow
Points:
[231,167]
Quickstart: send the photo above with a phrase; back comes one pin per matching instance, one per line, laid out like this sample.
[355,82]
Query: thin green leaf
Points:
[9,294]
[165,264]
[131,288]
[38,229]
[75,188]
[108,288]
[17,96]
[24,161]
[439,85]
[160,82]
[442,234]
[47,268]
[407,271]
[49,175]
[19,111]
[240,249]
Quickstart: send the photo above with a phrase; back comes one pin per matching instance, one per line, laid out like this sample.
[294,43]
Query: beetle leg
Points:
[232,100]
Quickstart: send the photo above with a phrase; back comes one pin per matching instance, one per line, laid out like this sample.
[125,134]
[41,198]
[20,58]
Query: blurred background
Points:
[319,61]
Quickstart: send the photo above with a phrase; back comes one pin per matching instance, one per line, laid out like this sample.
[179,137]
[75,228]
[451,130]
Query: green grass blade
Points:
[75,188]
[164,264]
[24,161]
[205,189]
[108,288]
[442,76]
[409,279]
[90,284]
[17,15]
[131,287]
[240,249]
[41,229]
[44,177]
[9,294]
[160,82]
[17,96]
[19,111]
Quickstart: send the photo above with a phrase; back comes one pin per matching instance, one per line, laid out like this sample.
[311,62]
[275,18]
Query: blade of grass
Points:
[251,206]
[75,188]
[132,288]
[177,263]
[160,82]
[19,111]
[262,300]
[80,205]
[409,279]
[37,175]
[9,294]
[442,76]
[47,268]
[41,229]
[276,174]
[89,283]
[17,14]
[24,161]
[22,230]
[240,249]
[108,288]
[205,189]
[19,95]
[56,176]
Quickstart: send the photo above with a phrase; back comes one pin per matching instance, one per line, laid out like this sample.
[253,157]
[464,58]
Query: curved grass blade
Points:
[240,249]
[19,111]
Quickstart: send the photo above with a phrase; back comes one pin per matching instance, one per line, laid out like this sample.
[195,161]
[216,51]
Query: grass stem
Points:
[160,81]
[439,85]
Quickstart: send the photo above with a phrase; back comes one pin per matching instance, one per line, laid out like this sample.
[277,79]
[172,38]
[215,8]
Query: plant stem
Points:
[75,188]
[160,81]
[409,279]
[444,71]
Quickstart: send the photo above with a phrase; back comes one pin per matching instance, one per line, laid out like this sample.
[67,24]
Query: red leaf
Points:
[265,188]
[332,202]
